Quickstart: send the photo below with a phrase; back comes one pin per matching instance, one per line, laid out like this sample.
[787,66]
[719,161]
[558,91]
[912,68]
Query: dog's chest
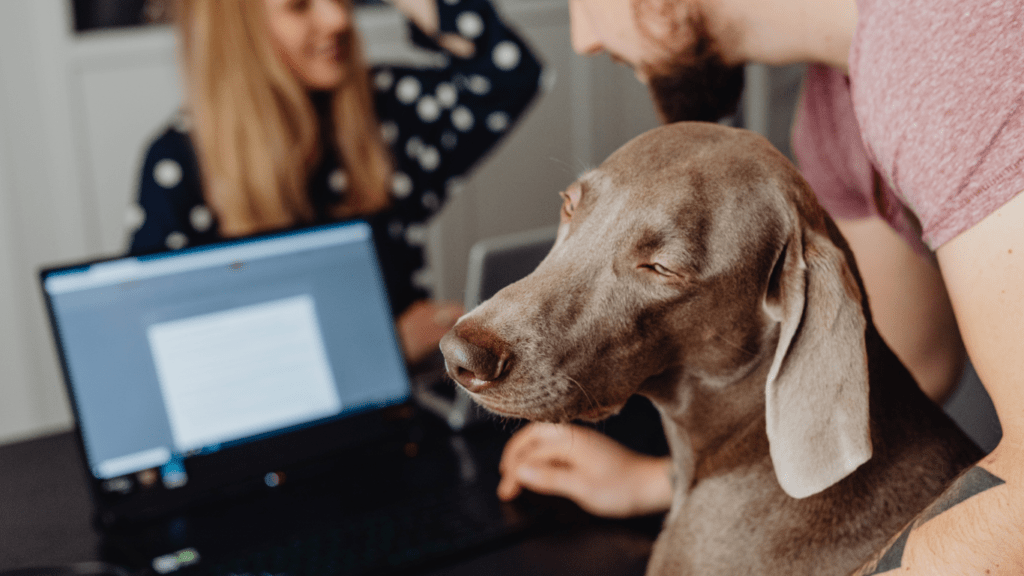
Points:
[740,523]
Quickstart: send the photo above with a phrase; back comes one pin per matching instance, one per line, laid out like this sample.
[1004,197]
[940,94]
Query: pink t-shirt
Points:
[827,145]
[936,91]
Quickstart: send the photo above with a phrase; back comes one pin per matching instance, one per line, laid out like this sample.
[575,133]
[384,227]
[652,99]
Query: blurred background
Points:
[86,84]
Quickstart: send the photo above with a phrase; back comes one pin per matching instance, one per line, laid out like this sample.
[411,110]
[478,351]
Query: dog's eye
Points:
[658,268]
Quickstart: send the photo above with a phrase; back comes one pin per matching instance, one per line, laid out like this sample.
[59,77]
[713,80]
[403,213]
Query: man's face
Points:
[669,47]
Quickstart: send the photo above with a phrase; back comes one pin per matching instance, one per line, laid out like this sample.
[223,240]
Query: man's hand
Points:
[422,325]
[587,467]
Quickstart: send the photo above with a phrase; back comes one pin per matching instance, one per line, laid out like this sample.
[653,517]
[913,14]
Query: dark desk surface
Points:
[45,519]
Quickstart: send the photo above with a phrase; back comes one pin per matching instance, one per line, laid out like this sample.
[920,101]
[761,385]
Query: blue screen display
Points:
[182,353]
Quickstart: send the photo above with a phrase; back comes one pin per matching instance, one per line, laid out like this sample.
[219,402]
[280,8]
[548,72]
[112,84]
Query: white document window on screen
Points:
[244,371]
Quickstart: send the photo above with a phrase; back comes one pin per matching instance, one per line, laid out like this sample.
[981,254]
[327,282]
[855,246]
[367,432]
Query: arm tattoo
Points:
[973,482]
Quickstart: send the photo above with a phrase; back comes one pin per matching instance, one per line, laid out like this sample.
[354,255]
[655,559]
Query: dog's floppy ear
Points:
[817,388]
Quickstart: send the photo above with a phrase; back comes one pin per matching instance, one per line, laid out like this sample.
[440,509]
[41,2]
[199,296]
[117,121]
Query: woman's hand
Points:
[597,473]
[422,325]
[423,13]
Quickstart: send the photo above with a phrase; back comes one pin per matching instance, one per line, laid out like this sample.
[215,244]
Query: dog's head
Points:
[694,262]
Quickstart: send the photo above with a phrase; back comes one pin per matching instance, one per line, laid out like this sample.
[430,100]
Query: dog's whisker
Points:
[589,398]
[566,165]
[566,417]
[583,166]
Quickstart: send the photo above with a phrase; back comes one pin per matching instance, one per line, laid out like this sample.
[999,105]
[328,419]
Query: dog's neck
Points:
[710,461]
[712,429]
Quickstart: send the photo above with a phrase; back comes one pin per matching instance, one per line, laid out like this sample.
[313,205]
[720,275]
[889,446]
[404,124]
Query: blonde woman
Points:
[286,126]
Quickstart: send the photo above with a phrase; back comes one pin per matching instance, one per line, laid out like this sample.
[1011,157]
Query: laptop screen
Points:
[188,353]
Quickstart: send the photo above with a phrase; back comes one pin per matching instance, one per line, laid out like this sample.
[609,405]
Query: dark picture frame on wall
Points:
[107,14]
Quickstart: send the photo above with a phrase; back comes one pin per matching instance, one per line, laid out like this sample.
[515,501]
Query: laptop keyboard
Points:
[394,540]
[411,514]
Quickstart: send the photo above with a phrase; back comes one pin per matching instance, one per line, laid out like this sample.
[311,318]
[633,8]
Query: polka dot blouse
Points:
[438,123]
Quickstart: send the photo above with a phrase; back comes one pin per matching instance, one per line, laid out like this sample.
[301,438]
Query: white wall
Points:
[40,208]
[77,110]
[15,400]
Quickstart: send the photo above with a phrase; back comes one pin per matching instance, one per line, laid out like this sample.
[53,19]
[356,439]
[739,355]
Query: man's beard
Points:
[696,85]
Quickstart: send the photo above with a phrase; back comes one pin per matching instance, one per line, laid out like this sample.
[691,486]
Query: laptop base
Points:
[426,500]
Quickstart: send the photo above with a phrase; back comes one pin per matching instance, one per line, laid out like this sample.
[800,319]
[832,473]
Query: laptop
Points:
[244,407]
[499,261]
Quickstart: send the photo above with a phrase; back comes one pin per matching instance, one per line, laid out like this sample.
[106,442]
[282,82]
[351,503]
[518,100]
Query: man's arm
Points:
[909,304]
[977,526]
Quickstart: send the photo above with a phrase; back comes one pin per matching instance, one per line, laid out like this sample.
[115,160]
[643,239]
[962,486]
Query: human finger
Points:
[530,439]
[517,447]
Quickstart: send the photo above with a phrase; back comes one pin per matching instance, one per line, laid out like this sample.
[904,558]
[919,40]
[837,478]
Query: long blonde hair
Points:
[256,131]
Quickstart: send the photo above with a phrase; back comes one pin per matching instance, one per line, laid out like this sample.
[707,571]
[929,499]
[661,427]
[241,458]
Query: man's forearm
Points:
[975,527]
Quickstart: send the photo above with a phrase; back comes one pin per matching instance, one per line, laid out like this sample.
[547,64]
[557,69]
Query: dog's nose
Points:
[473,357]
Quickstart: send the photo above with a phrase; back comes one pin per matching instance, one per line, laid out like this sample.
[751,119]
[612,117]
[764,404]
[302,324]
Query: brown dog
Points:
[696,268]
